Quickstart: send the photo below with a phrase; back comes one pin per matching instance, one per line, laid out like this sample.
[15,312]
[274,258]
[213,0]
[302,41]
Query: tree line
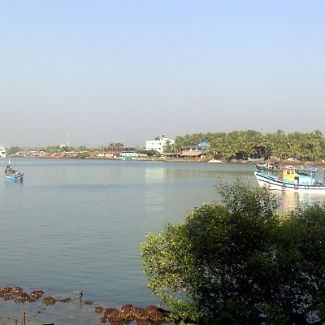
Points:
[309,146]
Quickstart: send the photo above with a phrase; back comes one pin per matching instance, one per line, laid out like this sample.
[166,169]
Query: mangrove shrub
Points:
[241,262]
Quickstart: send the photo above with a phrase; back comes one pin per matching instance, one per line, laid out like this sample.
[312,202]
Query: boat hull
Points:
[14,178]
[274,184]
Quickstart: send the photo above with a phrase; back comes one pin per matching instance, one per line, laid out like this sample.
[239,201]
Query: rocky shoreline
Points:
[125,314]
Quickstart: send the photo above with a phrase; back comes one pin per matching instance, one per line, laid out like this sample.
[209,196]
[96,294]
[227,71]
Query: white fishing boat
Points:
[292,179]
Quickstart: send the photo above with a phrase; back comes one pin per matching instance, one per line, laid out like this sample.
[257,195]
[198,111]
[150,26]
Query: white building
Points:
[158,143]
[2,152]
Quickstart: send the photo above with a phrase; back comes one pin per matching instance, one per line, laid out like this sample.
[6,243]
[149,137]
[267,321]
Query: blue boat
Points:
[12,174]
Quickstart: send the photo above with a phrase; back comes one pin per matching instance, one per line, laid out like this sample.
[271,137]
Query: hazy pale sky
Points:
[126,70]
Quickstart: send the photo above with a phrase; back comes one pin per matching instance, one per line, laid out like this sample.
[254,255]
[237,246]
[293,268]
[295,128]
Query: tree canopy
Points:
[309,146]
[240,261]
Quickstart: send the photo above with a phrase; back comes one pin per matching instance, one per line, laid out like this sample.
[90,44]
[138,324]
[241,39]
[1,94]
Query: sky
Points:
[90,73]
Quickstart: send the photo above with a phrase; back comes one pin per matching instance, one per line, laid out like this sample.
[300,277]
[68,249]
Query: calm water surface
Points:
[77,224]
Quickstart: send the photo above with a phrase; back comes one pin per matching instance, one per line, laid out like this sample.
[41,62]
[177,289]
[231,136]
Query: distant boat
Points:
[292,179]
[254,160]
[126,158]
[267,166]
[12,174]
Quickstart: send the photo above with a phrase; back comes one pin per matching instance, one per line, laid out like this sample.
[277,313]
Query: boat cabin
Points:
[292,175]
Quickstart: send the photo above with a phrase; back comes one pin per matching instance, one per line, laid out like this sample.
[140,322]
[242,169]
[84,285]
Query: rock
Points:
[49,300]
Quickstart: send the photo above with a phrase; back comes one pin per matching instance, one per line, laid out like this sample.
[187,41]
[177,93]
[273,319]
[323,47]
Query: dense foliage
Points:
[241,262]
[308,146]
[243,144]
[13,150]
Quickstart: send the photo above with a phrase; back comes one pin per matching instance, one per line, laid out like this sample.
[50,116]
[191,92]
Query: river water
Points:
[77,224]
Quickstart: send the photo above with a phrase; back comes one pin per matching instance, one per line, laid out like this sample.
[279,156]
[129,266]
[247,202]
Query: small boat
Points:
[12,174]
[267,166]
[292,179]
[126,158]
[254,160]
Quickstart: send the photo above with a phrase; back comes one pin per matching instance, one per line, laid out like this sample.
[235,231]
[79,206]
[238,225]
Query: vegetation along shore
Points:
[236,146]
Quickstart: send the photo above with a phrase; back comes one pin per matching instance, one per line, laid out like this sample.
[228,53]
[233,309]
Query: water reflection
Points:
[155,175]
[154,196]
[291,200]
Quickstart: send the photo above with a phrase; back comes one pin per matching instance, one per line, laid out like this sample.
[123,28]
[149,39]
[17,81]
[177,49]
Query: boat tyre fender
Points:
[296,186]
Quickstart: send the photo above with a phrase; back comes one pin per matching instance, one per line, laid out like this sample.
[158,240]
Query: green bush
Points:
[241,262]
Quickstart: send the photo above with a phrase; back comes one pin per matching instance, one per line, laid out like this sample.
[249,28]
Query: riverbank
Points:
[96,156]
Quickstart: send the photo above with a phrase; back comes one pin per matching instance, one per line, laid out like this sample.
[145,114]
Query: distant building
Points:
[158,143]
[3,153]
[194,151]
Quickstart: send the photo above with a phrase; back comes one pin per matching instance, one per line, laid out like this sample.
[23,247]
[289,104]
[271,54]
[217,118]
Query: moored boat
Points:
[267,166]
[126,158]
[12,174]
[254,160]
[292,179]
